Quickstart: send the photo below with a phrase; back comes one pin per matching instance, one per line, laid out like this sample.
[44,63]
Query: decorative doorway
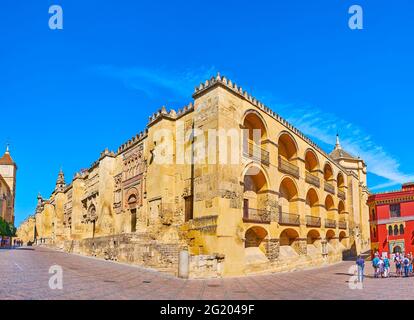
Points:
[397,246]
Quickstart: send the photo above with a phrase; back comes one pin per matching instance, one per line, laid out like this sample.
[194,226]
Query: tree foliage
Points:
[7,229]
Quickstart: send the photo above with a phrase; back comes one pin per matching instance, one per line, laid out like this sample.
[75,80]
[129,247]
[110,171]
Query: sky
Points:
[66,95]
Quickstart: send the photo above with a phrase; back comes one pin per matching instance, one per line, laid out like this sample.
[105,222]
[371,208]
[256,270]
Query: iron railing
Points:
[289,219]
[329,188]
[312,179]
[342,224]
[256,215]
[330,223]
[341,195]
[256,152]
[287,167]
[312,221]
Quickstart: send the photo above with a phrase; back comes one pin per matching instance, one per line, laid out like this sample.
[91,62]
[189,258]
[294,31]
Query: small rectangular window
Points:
[395,210]
[188,208]
[133,220]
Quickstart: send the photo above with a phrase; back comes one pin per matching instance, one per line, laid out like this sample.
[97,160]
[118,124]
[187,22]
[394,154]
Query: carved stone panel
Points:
[133,175]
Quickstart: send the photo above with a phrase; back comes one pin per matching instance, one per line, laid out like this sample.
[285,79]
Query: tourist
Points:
[406,263]
[398,264]
[361,265]
[386,266]
[381,267]
[375,263]
[410,267]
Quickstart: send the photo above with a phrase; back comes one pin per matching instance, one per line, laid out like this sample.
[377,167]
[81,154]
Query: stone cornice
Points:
[399,199]
[393,220]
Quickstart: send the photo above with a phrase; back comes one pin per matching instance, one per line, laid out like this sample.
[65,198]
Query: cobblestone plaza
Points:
[27,277]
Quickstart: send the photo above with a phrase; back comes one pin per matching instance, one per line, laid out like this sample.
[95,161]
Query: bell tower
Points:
[8,169]
[60,182]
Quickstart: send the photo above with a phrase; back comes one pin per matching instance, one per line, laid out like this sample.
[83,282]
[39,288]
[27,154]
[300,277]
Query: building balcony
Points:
[341,195]
[329,188]
[312,221]
[330,223]
[342,224]
[312,179]
[289,219]
[256,215]
[289,168]
[255,152]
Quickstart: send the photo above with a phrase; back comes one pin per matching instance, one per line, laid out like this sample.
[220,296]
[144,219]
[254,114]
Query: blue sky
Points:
[59,89]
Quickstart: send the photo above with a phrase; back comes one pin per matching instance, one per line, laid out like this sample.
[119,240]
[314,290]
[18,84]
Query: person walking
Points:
[398,262]
[386,266]
[361,265]
[406,263]
[375,264]
[381,267]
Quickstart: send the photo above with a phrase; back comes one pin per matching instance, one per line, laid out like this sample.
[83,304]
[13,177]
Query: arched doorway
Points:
[340,182]
[330,241]
[254,137]
[312,209]
[343,239]
[311,162]
[92,218]
[312,237]
[330,221]
[255,196]
[313,241]
[328,173]
[287,151]
[288,243]
[132,204]
[254,124]
[254,237]
[288,237]
[255,250]
[312,168]
[288,197]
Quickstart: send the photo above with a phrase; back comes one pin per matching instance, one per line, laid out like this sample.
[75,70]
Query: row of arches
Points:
[288,150]
[255,195]
[255,236]
[395,230]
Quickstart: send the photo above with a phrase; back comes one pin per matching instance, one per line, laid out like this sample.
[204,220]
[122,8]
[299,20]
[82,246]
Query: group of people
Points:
[18,243]
[382,265]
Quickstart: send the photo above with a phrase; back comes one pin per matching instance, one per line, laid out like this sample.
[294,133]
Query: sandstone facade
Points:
[8,169]
[266,199]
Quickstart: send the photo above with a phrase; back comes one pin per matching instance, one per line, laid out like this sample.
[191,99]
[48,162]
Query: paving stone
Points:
[87,279]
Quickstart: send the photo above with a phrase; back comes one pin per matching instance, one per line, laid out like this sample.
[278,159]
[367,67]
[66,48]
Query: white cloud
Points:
[324,127]
[152,81]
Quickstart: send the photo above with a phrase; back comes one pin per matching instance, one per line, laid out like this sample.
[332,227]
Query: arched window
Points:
[374,232]
[401,229]
[390,231]
[395,230]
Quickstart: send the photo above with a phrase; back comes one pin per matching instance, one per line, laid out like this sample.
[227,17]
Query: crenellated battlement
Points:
[238,90]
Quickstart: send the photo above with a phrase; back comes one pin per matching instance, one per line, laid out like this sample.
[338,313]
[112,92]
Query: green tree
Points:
[7,229]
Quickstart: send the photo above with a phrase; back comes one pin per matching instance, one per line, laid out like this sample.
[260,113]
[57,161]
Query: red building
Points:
[392,220]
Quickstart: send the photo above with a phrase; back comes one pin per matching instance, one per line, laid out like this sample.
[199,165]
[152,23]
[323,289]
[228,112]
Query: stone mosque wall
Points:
[266,199]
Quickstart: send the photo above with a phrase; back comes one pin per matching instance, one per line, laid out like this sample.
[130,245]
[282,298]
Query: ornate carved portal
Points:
[129,185]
